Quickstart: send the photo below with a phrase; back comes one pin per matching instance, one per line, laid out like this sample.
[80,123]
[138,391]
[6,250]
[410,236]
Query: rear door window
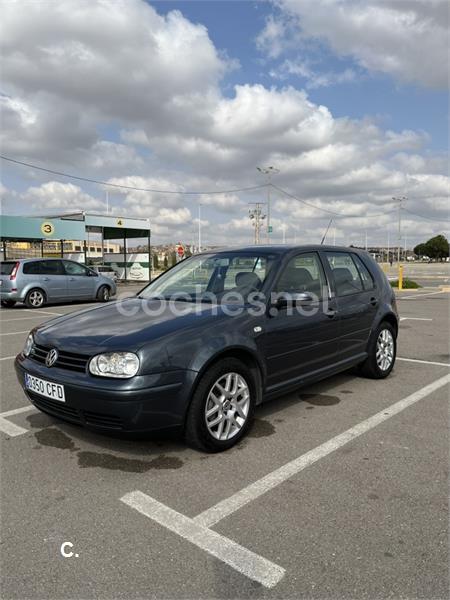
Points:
[51,267]
[346,276]
[32,268]
[7,267]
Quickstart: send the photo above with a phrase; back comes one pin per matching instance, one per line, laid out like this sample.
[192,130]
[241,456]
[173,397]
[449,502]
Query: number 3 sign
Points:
[47,228]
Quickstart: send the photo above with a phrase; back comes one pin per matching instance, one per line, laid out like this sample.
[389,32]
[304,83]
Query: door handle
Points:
[46,278]
[373,301]
[331,313]
[71,278]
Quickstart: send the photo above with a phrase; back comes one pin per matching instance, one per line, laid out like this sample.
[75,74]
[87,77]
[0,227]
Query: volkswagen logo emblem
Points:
[51,357]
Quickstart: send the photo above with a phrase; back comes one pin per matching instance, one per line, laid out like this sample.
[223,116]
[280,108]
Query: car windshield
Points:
[228,277]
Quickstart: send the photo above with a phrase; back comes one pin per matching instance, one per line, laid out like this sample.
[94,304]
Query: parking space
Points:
[339,491]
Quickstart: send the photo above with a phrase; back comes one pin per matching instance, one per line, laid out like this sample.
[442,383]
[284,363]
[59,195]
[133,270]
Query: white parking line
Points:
[197,530]
[43,312]
[226,507]
[15,332]
[239,558]
[424,362]
[415,319]
[19,319]
[10,428]
[7,357]
[419,296]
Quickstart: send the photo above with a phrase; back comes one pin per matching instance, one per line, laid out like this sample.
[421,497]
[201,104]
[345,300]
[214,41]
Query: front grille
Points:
[103,420]
[65,360]
[56,408]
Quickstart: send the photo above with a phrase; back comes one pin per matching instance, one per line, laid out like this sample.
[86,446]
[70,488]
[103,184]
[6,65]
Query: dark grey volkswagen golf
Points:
[213,337]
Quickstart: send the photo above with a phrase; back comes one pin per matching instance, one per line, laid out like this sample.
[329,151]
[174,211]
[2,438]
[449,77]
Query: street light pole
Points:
[268,172]
[199,227]
[399,199]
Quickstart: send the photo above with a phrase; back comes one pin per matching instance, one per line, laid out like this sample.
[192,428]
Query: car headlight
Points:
[28,345]
[115,364]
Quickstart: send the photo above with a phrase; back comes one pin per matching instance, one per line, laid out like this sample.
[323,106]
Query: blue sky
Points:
[234,26]
[347,98]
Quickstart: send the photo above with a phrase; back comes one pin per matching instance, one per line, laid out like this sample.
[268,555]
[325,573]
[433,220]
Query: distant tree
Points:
[173,258]
[166,262]
[437,247]
[155,261]
[421,250]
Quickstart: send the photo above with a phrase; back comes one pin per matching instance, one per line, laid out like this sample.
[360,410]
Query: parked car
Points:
[106,271]
[37,282]
[211,338]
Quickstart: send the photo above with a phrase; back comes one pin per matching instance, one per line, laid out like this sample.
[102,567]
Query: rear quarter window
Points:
[366,276]
[7,267]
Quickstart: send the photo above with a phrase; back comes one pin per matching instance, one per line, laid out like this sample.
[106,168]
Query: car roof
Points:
[34,259]
[283,249]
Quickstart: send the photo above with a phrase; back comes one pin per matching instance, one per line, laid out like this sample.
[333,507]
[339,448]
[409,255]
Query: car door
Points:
[357,299]
[300,340]
[52,278]
[81,281]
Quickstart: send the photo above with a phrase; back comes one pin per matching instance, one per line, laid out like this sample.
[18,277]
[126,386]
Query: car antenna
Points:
[325,234]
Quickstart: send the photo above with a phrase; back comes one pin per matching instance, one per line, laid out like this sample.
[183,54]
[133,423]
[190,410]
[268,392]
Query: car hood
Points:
[124,325]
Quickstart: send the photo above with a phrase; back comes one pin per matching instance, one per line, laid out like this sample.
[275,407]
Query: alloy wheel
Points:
[36,298]
[385,349]
[227,406]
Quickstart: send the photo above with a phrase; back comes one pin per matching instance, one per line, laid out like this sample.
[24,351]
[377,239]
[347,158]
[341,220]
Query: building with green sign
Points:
[24,237]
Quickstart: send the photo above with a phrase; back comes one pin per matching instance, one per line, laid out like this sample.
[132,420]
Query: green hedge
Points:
[408,284]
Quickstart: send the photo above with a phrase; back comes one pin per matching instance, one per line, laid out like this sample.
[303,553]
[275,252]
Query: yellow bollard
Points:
[400,277]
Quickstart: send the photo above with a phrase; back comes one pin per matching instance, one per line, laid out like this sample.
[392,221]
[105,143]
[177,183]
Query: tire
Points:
[35,298]
[383,342]
[229,373]
[103,294]
[8,303]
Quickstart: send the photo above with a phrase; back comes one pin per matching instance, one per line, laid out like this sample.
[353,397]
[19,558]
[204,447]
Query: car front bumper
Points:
[154,402]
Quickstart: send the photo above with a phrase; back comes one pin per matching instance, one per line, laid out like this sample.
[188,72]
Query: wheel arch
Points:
[242,353]
[390,318]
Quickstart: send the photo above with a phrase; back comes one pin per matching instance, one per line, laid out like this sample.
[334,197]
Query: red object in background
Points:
[180,250]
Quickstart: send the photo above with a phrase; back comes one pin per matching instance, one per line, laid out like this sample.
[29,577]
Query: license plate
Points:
[55,391]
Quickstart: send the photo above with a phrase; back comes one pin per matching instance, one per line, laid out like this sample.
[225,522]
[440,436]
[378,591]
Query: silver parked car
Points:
[39,281]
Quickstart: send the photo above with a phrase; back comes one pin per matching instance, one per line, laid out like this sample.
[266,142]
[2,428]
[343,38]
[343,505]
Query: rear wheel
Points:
[222,407]
[382,351]
[8,303]
[35,298]
[103,294]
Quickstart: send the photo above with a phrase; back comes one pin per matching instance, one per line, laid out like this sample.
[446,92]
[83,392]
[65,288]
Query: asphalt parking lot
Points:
[339,491]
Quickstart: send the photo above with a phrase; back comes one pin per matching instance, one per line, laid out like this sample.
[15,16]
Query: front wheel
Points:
[382,352]
[103,294]
[222,407]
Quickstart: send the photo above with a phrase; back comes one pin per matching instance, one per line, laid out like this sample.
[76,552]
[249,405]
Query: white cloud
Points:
[407,39]
[138,102]
[64,197]
[313,78]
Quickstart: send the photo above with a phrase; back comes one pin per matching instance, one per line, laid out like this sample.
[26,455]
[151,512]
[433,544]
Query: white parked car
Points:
[106,272]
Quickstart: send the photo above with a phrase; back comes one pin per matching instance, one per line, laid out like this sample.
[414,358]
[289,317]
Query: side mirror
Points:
[92,274]
[294,299]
